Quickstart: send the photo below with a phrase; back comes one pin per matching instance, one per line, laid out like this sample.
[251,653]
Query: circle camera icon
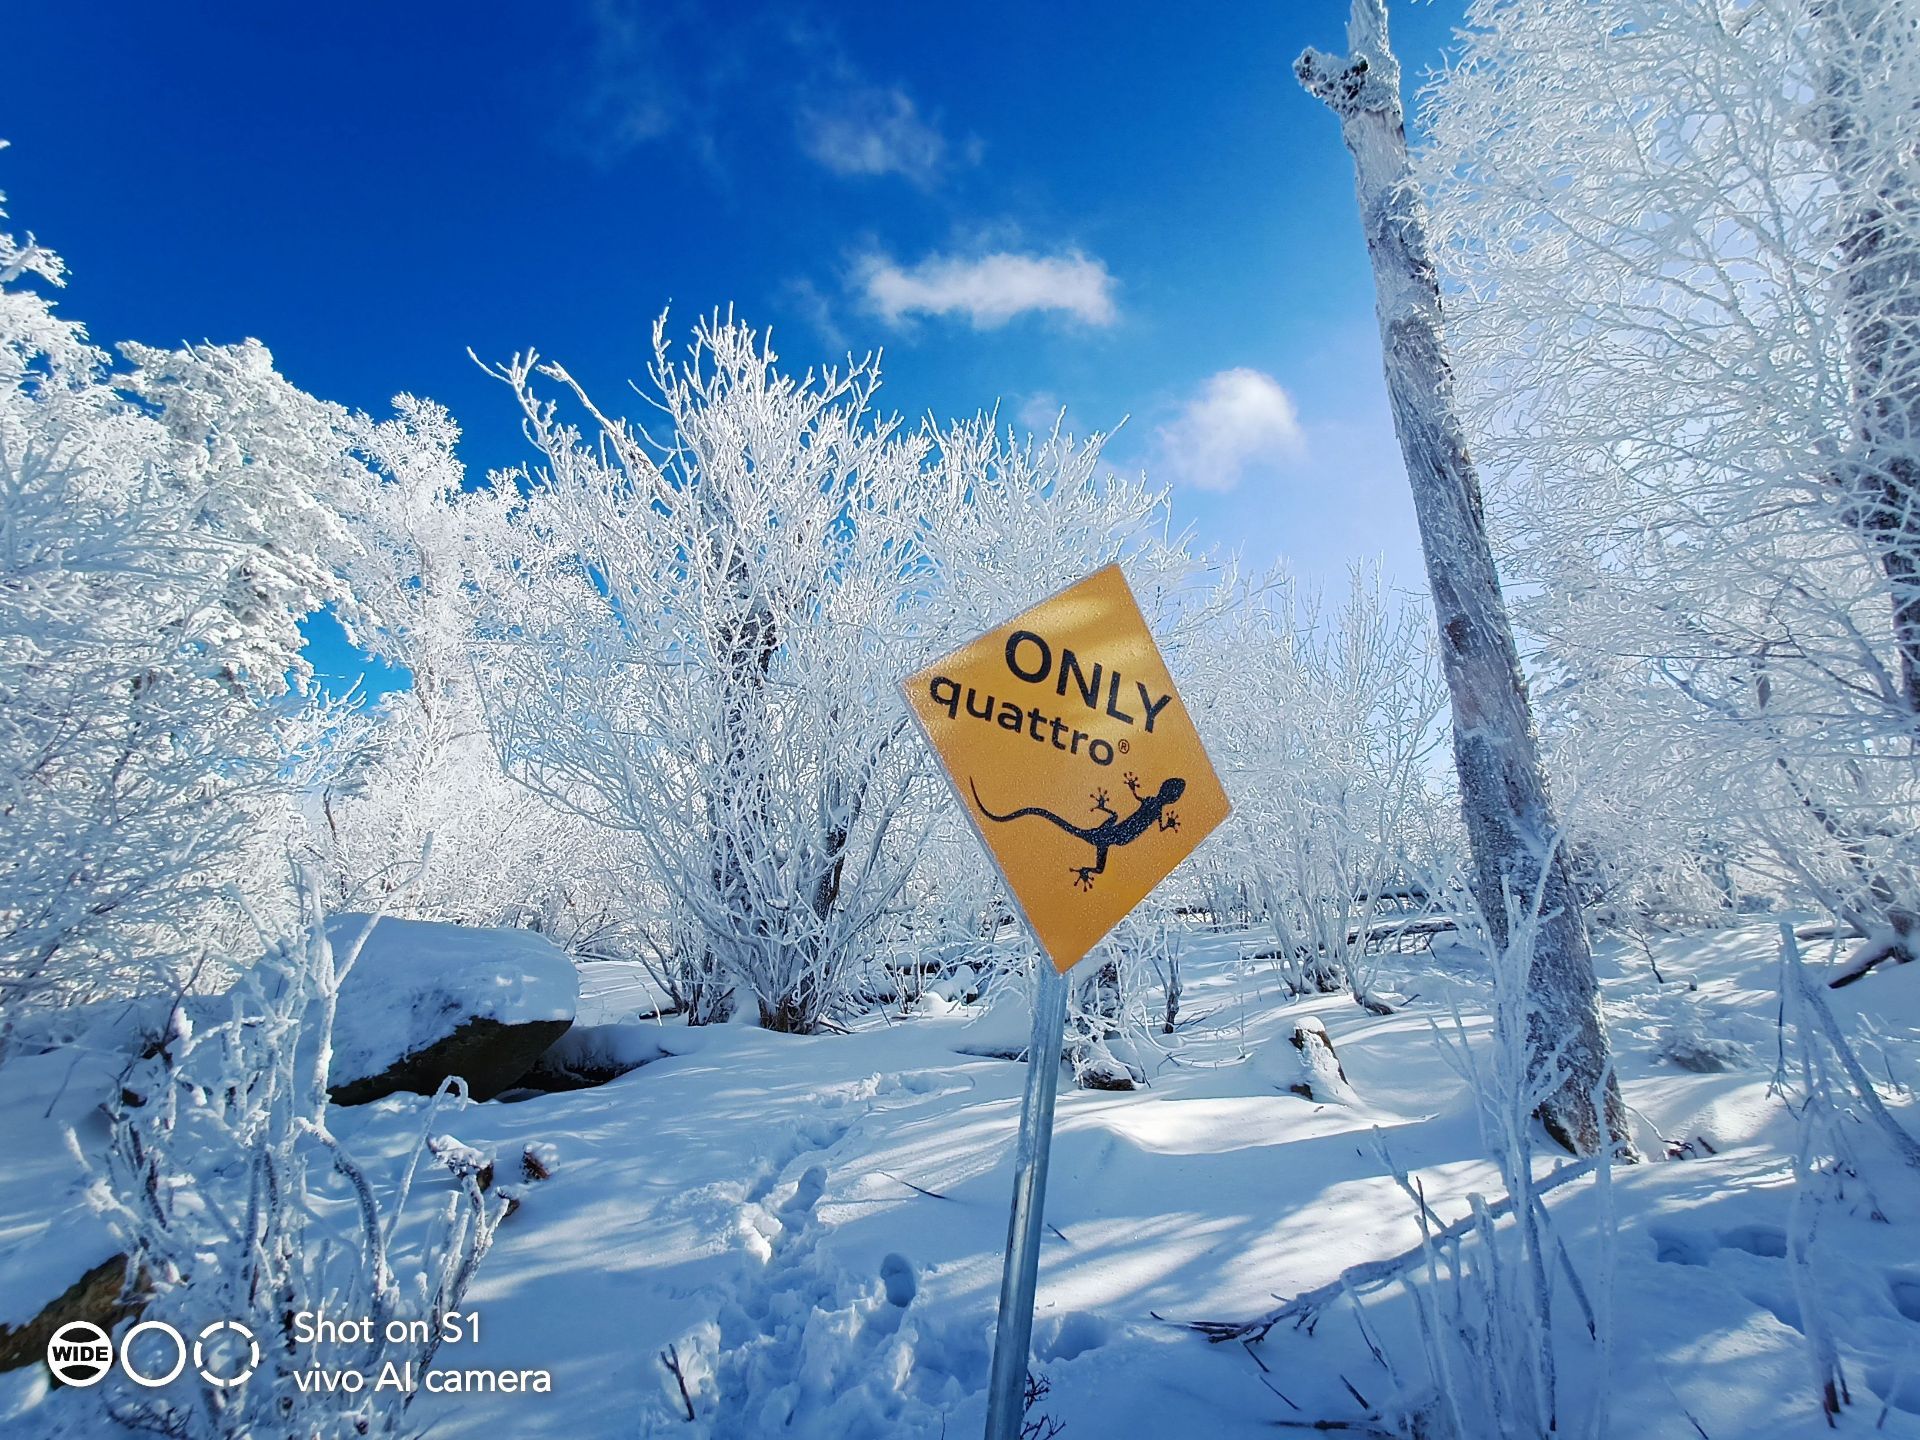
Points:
[80,1353]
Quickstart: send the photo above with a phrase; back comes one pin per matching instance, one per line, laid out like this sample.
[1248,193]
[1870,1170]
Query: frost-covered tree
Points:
[1865,57]
[407,771]
[1323,726]
[701,637]
[161,528]
[698,641]
[1640,867]
[1503,790]
[1688,249]
[1008,521]
[420,764]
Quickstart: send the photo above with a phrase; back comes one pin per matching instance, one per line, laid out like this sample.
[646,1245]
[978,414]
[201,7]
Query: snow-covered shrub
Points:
[1640,869]
[236,1203]
[1838,1112]
[1493,1335]
[1117,1001]
[1009,521]
[967,911]
[1324,727]
[697,642]
[419,764]
[1223,891]
[164,528]
[670,942]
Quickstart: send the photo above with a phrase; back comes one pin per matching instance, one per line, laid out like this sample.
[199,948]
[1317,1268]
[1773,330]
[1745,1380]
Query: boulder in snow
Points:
[589,1055]
[1691,1048]
[427,1000]
[59,1260]
[95,1297]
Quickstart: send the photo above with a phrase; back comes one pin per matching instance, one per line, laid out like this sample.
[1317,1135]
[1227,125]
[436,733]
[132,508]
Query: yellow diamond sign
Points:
[1073,756]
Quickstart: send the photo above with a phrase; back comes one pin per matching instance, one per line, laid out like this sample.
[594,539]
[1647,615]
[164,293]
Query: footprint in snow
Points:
[806,1193]
[1680,1247]
[1072,1335]
[1762,1240]
[896,1274]
[1905,1290]
[811,1137]
[1692,1247]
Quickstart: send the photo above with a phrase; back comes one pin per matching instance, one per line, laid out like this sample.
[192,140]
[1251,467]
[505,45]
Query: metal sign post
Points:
[1013,1333]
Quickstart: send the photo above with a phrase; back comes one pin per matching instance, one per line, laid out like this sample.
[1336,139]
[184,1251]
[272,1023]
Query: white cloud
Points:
[643,72]
[1238,422]
[873,132]
[1040,412]
[990,290]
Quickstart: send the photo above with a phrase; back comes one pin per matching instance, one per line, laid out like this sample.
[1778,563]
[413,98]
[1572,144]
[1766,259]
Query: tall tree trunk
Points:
[1879,246]
[1878,230]
[1503,790]
[745,641]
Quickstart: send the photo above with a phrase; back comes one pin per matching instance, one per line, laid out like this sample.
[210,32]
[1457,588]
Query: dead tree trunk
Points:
[1503,791]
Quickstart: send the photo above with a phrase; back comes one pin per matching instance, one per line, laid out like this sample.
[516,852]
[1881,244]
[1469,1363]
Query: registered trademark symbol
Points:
[1125,747]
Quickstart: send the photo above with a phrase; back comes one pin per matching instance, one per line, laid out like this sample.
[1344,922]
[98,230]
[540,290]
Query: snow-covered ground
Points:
[812,1227]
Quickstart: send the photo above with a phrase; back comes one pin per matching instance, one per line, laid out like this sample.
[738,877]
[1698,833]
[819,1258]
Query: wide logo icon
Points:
[80,1354]
[1072,754]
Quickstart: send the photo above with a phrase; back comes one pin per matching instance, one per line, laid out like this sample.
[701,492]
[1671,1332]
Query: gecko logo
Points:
[1150,813]
[80,1354]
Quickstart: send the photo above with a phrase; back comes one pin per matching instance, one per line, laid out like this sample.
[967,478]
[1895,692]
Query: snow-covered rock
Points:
[962,986]
[426,1000]
[95,1297]
[1003,1029]
[1097,1066]
[1692,1048]
[58,1259]
[589,1055]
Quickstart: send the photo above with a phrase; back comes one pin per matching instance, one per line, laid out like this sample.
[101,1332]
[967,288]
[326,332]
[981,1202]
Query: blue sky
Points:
[1128,210]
